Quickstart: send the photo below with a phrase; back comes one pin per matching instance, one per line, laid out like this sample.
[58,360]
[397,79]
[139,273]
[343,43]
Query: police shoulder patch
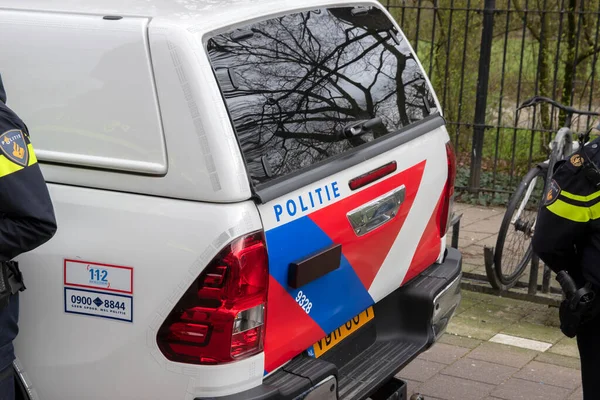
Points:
[576,160]
[552,193]
[14,147]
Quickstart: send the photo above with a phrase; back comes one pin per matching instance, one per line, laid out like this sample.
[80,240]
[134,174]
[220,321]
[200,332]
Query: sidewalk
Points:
[472,360]
[478,228]
[496,347]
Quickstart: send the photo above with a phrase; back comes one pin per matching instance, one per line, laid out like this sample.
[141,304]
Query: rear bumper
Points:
[407,322]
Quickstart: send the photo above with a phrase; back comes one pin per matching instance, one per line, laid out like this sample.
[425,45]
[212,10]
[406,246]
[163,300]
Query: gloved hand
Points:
[577,308]
[569,322]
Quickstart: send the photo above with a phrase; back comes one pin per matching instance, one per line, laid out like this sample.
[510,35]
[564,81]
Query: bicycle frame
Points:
[564,143]
[565,135]
[561,146]
[525,200]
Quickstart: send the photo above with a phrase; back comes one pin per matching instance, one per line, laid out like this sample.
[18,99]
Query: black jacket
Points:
[567,230]
[27,217]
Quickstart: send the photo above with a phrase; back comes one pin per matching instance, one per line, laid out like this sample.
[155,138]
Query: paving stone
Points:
[492,312]
[460,341]
[557,359]
[480,371]
[473,254]
[577,394]
[475,234]
[452,388]
[550,375]
[491,240]
[466,267]
[443,353]
[475,329]
[523,309]
[534,331]
[548,317]
[485,225]
[500,354]
[476,215]
[565,347]
[465,304]
[461,207]
[421,370]
[475,296]
[501,301]
[520,389]
[472,249]
[524,343]
[480,271]
[476,259]
[467,237]
[466,242]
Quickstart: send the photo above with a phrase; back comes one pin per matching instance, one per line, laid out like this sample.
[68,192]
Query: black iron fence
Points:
[484,57]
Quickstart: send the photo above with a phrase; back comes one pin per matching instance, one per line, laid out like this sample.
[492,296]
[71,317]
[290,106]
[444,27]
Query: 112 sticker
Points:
[112,278]
[98,275]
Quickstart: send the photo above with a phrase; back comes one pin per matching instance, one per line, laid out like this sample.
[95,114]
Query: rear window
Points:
[294,85]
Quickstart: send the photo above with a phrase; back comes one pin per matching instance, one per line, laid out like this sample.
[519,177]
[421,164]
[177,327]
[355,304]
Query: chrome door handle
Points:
[377,212]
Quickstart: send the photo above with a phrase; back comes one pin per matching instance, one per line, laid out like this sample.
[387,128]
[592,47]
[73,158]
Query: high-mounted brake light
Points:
[448,202]
[221,317]
[373,175]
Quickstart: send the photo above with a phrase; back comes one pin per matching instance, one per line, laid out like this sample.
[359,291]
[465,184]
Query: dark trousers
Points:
[9,318]
[588,341]
[7,384]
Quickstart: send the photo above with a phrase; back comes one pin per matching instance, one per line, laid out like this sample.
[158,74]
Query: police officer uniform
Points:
[567,239]
[26,221]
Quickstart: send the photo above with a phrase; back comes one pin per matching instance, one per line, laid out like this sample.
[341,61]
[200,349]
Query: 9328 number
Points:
[304,302]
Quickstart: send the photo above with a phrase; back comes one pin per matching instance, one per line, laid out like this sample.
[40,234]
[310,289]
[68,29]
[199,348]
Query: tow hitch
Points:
[394,389]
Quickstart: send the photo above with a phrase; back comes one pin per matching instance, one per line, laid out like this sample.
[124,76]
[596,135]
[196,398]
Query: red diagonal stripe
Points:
[289,328]
[366,253]
[428,248]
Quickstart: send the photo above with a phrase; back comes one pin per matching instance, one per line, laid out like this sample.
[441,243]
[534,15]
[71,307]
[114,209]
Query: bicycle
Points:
[522,223]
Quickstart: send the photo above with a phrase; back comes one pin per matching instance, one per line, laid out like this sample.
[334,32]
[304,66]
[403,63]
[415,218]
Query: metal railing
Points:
[484,57]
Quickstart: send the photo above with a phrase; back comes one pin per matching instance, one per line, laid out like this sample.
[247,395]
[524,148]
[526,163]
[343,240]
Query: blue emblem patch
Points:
[13,147]
[552,193]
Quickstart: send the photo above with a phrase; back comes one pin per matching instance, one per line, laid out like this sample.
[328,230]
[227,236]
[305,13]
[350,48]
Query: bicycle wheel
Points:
[513,247]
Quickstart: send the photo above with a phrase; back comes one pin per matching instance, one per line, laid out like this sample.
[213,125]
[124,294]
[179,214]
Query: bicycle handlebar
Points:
[540,99]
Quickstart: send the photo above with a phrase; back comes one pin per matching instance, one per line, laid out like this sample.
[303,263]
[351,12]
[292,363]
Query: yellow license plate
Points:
[341,333]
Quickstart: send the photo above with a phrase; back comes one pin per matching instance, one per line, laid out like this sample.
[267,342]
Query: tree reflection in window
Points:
[293,83]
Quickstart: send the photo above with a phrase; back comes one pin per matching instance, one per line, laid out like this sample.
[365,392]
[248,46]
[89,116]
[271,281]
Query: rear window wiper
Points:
[360,10]
[359,128]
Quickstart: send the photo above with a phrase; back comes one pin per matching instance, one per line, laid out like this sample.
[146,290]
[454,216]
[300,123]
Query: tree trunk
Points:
[567,92]
[545,86]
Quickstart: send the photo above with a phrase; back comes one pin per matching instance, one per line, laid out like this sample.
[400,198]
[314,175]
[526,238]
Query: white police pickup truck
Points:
[252,199]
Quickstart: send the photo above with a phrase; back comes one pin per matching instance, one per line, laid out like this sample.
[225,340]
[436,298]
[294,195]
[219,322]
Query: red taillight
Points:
[221,317]
[372,176]
[446,212]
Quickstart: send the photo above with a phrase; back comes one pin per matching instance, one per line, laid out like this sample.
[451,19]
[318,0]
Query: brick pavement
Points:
[479,227]
[466,365]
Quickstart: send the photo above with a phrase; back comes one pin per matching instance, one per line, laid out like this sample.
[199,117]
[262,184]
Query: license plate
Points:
[341,333]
